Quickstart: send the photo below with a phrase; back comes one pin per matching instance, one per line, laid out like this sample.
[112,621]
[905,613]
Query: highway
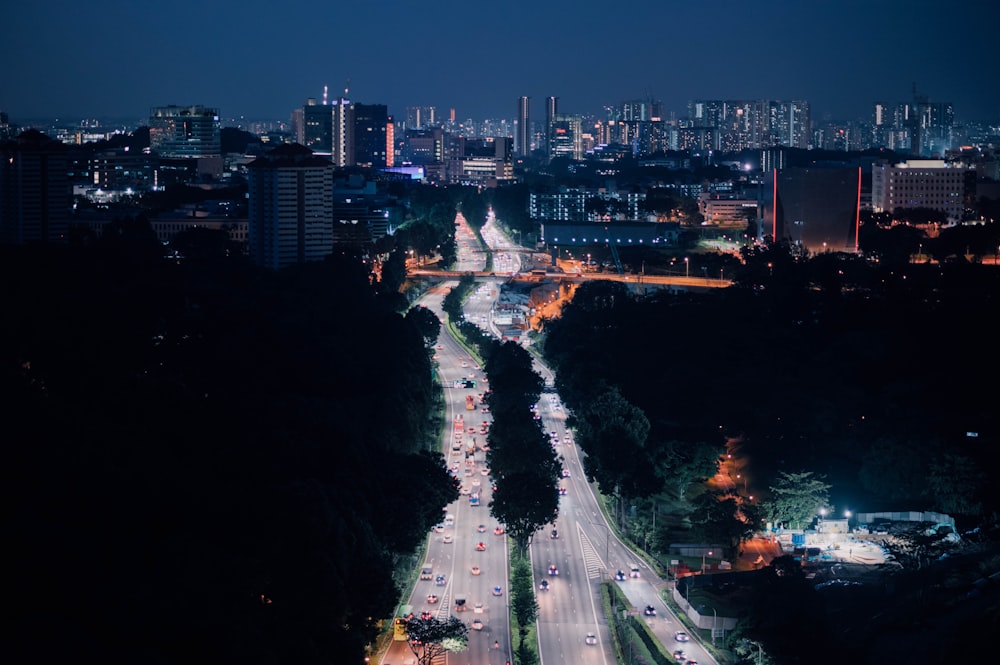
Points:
[584,553]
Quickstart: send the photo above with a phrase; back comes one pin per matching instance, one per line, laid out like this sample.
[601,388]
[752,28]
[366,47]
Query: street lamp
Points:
[686,272]
[703,561]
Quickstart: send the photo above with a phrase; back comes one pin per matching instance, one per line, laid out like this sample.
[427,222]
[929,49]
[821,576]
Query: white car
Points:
[590,639]
[477,624]
[447,538]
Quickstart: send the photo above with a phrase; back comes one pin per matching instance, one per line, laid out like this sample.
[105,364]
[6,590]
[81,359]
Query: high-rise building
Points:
[522,144]
[371,135]
[35,189]
[420,117]
[185,131]
[343,132]
[755,124]
[290,216]
[551,109]
[567,137]
[317,127]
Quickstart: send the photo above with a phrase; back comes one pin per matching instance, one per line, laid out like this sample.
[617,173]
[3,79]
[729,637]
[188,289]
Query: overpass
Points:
[661,281]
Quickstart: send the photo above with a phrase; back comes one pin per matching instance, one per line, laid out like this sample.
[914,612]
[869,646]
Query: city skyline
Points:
[118,59]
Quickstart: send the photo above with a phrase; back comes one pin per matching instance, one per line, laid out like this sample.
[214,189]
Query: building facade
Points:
[185,131]
[290,216]
[919,183]
[522,144]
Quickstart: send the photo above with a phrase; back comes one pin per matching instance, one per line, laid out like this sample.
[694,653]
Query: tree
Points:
[955,483]
[613,431]
[430,638]
[523,603]
[425,322]
[796,498]
[725,519]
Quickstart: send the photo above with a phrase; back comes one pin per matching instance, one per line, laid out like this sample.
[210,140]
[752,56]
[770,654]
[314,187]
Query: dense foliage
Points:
[210,461]
[815,365]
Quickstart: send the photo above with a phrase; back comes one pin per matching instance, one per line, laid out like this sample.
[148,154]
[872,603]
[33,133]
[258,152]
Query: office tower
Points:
[566,137]
[185,131]
[35,190]
[523,146]
[290,216]
[371,125]
[317,127]
[551,109]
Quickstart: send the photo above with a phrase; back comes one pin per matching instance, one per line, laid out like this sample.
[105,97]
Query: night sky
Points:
[259,59]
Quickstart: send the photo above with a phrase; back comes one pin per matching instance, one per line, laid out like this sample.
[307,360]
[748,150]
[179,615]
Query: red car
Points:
[480,547]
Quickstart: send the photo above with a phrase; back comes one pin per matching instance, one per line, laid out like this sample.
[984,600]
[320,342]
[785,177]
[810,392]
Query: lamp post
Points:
[703,561]
[686,265]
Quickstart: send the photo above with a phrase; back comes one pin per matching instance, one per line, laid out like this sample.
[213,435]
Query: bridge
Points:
[661,281]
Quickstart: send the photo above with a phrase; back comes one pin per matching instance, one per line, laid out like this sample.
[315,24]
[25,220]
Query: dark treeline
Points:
[871,375]
[206,461]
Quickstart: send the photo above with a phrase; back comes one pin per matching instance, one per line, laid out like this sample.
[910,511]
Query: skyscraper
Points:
[343,132]
[551,109]
[317,127]
[371,123]
[290,215]
[523,146]
[566,137]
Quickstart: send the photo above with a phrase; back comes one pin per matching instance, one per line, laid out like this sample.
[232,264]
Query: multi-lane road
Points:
[573,561]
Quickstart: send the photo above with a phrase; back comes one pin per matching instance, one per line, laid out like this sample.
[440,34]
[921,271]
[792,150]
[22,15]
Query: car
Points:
[620,576]
[439,580]
[590,639]
[478,608]
[425,615]
[447,538]
[680,655]
[497,590]
[475,570]
[438,528]
[481,528]
[562,491]
[691,662]
[498,531]
[543,585]
[432,598]
[465,491]
[554,535]
[681,636]
[633,571]
[484,472]
[565,473]
[650,611]
[476,482]
[553,570]
[480,547]
[477,624]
